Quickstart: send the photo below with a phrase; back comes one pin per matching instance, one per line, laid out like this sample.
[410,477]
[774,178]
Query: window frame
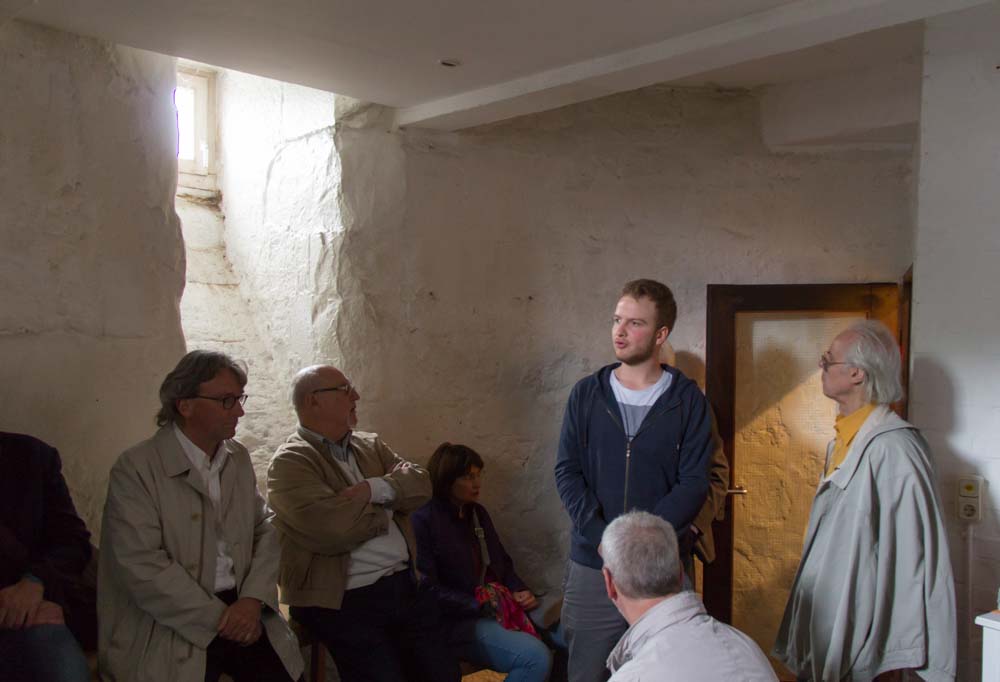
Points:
[200,172]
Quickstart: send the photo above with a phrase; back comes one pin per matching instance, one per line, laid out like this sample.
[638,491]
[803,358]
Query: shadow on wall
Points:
[692,366]
[937,423]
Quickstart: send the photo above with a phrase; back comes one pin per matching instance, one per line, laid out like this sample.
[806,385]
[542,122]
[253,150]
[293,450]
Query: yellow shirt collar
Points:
[847,426]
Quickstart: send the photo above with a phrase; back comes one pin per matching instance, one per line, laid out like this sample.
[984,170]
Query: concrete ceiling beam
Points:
[787,28]
[880,105]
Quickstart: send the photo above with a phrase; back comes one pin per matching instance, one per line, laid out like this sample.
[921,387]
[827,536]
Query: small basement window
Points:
[194,100]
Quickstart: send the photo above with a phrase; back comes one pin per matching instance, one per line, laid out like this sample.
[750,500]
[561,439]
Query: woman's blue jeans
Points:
[522,656]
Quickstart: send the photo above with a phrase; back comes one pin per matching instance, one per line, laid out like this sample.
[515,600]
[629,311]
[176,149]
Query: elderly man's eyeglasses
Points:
[826,363]
[346,388]
[227,401]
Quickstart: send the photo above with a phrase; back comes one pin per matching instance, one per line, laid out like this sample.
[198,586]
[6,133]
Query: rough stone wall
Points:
[91,264]
[215,316]
[485,277]
[956,360]
[279,178]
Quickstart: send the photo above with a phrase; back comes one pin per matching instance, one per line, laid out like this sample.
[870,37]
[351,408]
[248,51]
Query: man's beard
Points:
[638,356]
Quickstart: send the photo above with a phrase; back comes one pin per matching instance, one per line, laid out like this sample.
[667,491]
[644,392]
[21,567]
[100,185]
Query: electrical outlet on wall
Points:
[970,498]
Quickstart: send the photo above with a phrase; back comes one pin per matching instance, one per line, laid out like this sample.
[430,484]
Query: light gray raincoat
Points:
[874,590]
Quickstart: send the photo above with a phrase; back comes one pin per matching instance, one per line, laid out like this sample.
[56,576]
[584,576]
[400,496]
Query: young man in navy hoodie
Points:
[636,435]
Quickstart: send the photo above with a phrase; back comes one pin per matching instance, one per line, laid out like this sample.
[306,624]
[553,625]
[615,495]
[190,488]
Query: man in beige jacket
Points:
[189,559]
[342,500]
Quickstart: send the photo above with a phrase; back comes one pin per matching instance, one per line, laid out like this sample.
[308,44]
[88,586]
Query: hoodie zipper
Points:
[628,461]
[628,445]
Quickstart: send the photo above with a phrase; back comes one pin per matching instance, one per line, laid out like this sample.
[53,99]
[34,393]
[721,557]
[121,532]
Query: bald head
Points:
[324,401]
[303,383]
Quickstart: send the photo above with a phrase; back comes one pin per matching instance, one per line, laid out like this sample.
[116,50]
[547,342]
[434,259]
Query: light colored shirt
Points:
[678,640]
[382,555]
[210,469]
[635,405]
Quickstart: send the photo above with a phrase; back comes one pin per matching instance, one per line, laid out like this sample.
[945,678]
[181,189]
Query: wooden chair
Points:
[316,666]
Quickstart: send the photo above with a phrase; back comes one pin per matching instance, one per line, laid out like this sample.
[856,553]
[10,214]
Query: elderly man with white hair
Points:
[670,636]
[874,592]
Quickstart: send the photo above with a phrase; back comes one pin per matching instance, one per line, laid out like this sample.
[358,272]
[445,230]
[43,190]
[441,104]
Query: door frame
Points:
[880,300]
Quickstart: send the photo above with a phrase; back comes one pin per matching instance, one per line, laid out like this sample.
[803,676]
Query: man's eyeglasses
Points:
[227,401]
[826,363]
[346,388]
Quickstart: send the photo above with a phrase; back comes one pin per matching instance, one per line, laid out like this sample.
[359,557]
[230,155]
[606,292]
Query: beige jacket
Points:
[317,528]
[157,608]
[714,508]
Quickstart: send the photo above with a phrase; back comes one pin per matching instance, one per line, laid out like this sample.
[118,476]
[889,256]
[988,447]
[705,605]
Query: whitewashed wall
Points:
[956,316]
[484,285]
[91,262]
[279,178]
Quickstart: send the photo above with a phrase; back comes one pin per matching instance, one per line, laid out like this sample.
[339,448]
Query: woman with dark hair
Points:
[462,560]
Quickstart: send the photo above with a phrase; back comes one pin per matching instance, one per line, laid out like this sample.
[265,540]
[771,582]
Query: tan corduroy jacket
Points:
[318,528]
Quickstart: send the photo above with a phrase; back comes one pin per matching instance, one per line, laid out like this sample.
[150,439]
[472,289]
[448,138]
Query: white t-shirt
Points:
[635,405]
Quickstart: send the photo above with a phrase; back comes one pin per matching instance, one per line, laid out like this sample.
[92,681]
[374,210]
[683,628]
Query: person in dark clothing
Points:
[636,435]
[462,561]
[47,609]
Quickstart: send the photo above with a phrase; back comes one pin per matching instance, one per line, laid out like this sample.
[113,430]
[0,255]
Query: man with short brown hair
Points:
[636,435]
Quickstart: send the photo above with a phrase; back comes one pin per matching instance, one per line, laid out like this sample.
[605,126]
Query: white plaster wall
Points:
[880,104]
[485,284]
[91,264]
[215,316]
[465,281]
[279,177]
[956,360]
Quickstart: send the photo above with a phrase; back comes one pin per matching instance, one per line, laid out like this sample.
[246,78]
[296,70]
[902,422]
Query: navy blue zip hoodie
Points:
[663,470]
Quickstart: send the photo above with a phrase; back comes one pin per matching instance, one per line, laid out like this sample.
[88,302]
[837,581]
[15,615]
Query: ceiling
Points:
[516,56]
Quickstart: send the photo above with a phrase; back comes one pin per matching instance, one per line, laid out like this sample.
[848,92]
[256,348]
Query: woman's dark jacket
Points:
[445,555]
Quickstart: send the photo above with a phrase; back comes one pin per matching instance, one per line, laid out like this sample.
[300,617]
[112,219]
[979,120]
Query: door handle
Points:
[738,490]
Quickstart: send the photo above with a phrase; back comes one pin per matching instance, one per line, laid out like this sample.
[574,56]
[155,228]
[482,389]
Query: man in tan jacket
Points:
[189,559]
[342,500]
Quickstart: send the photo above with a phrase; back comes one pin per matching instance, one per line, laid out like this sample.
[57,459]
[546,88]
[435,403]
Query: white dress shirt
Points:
[384,554]
[210,470]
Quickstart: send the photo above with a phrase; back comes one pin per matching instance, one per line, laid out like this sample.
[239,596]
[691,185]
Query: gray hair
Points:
[874,349]
[303,383]
[192,371]
[640,552]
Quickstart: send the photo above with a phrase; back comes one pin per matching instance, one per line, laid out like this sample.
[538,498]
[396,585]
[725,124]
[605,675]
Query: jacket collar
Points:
[881,420]
[674,609]
[320,442]
[448,508]
[175,462]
